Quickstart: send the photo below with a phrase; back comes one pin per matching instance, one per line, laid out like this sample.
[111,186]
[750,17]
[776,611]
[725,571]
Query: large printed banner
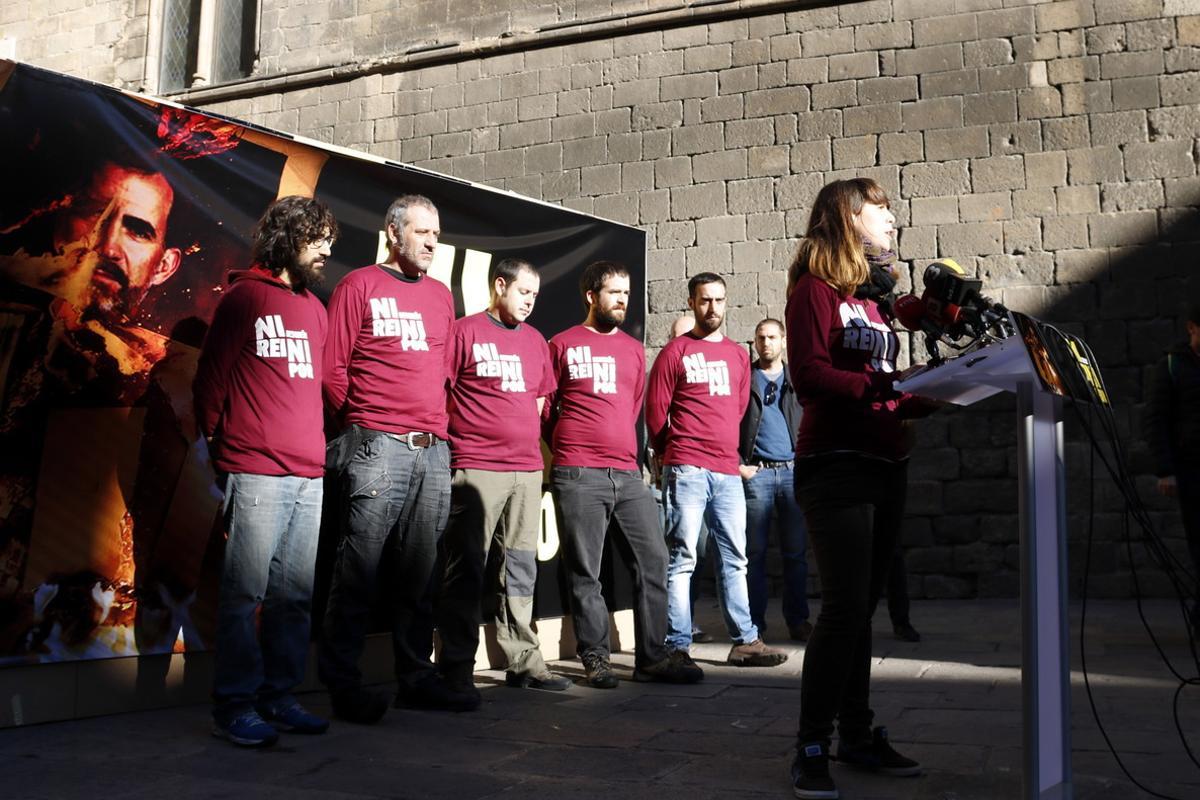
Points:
[119,219]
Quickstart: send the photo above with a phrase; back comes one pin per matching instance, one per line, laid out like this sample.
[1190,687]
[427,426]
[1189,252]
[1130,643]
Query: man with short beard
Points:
[257,395]
[385,381]
[699,387]
[121,216]
[601,376]
[500,376]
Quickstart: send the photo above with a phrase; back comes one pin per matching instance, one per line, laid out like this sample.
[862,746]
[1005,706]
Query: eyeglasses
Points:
[319,243]
[772,391]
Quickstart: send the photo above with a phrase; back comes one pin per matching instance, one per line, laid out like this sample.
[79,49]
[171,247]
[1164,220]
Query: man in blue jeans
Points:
[385,380]
[257,396]
[697,393]
[766,447]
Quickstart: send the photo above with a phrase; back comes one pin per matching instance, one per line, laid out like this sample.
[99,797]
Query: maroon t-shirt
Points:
[601,382]
[257,389]
[385,359]
[842,361]
[697,394]
[497,374]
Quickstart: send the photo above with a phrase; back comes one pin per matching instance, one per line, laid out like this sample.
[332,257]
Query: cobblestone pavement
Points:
[952,701]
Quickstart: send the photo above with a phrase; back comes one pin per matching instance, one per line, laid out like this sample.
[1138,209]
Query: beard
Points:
[304,276]
[710,324]
[612,318]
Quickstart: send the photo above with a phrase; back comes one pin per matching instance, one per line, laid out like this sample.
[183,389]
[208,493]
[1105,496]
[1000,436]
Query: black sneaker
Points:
[877,756]
[677,667]
[599,671]
[545,680]
[905,632]
[810,773]
[462,681]
[434,694]
[359,705]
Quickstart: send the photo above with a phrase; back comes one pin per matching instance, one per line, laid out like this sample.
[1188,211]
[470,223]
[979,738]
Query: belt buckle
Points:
[408,440]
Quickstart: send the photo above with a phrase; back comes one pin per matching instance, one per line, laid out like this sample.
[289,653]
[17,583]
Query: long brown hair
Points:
[832,249]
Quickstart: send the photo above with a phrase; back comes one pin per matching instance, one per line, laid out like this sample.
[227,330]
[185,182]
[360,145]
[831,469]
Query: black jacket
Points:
[753,416]
[1173,411]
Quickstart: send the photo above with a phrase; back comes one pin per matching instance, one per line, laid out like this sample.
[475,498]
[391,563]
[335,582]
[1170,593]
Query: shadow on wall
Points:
[1126,296]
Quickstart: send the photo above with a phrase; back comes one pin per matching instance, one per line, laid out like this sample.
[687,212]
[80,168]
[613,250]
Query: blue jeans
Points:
[693,495]
[397,500]
[272,523]
[769,493]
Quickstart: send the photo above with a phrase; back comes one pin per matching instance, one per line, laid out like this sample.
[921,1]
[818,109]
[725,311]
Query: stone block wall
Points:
[1049,147]
[101,40]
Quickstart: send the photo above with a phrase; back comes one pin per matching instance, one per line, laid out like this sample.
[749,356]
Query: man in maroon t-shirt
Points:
[499,371]
[385,364]
[257,395]
[699,387]
[601,377]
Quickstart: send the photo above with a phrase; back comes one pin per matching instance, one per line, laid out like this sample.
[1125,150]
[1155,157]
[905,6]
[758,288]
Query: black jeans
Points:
[853,505]
[398,499]
[588,499]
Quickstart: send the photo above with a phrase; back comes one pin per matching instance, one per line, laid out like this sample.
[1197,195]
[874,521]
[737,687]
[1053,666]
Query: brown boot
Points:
[756,654]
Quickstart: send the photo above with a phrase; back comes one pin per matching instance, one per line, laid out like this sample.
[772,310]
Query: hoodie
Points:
[257,390]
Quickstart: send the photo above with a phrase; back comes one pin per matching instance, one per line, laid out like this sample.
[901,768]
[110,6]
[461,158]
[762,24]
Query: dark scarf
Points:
[881,280]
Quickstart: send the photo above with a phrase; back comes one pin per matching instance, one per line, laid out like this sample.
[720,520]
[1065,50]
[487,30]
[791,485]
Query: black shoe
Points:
[434,694]
[701,637]
[878,756]
[545,680]
[677,667]
[599,671]
[810,773]
[462,682]
[359,705]
[905,632]
[801,632]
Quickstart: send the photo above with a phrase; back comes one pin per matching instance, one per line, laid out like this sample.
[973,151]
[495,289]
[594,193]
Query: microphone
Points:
[957,303]
[926,314]
[911,312]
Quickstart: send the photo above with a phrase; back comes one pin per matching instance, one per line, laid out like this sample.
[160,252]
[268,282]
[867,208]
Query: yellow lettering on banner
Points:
[1088,372]
[547,545]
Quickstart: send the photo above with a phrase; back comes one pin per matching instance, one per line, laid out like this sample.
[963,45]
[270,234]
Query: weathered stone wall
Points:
[101,40]
[1050,147]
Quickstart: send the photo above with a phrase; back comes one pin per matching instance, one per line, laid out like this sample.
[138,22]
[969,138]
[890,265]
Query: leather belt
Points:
[415,439]
[774,464]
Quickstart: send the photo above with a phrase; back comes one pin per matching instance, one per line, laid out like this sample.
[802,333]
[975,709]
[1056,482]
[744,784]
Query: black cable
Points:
[1159,553]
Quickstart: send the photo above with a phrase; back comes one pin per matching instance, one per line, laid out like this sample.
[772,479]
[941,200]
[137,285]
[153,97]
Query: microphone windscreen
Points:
[910,311]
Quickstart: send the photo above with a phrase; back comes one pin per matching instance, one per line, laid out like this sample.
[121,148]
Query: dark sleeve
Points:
[1159,418]
[659,391]
[550,409]
[914,407]
[345,318]
[232,325]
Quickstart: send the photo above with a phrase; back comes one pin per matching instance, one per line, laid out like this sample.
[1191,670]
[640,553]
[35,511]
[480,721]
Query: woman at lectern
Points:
[851,467]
